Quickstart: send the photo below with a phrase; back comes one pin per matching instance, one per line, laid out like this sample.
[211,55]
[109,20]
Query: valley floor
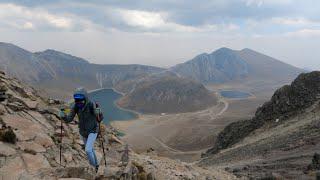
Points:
[185,136]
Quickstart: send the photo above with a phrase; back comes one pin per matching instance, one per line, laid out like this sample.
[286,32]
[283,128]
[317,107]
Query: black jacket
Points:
[87,117]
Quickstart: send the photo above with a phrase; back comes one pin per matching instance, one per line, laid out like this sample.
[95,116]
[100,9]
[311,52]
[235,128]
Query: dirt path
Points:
[176,151]
[226,106]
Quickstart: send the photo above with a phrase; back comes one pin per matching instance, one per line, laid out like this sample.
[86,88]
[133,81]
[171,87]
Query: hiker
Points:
[88,122]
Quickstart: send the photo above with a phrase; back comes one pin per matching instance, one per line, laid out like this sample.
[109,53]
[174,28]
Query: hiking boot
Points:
[97,168]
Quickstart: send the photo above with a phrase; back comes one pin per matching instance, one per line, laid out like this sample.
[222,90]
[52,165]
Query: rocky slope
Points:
[227,65]
[30,140]
[168,94]
[280,140]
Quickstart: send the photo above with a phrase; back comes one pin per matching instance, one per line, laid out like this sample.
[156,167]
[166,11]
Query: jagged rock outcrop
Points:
[168,94]
[286,102]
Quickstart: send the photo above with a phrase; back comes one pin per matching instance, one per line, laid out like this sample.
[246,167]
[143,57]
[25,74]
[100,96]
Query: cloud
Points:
[300,21]
[23,18]
[304,33]
[151,21]
[163,32]
[260,3]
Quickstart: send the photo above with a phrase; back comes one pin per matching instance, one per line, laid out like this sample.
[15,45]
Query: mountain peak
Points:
[220,66]
[54,54]
[223,50]
[11,47]
[247,49]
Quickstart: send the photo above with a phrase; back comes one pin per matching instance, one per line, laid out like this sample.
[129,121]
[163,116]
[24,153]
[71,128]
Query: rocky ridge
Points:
[286,102]
[30,140]
[281,141]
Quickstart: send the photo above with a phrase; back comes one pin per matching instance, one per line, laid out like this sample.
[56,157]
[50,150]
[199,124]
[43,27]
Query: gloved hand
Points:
[62,114]
[98,114]
[97,111]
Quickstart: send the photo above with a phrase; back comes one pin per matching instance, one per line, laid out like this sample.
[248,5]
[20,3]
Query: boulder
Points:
[68,157]
[114,139]
[19,88]
[25,129]
[16,106]
[13,169]
[72,172]
[35,162]
[6,149]
[39,118]
[2,109]
[31,104]
[44,140]
[31,146]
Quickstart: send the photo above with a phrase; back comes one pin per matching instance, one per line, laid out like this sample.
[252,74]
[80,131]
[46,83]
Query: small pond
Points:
[234,94]
[107,99]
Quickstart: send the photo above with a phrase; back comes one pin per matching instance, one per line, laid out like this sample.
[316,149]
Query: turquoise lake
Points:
[107,99]
[234,94]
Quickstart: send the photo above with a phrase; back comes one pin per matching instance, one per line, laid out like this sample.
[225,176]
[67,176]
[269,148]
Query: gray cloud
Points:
[164,32]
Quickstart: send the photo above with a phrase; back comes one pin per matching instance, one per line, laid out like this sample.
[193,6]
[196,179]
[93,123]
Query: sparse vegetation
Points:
[315,165]
[7,135]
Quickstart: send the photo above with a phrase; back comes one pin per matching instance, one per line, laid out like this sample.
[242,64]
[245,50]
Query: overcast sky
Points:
[164,32]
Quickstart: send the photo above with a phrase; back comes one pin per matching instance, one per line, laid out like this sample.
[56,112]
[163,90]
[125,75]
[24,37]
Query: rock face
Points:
[280,142]
[227,65]
[34,153]
[168,94]
[286,102]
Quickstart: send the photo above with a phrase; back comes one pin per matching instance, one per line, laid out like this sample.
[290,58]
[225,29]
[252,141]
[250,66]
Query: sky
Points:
[164,32]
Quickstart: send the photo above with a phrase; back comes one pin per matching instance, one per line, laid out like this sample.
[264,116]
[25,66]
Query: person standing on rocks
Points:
[88,125]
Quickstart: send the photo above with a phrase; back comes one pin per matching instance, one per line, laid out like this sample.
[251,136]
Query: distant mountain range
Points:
[58,73]
[225,65]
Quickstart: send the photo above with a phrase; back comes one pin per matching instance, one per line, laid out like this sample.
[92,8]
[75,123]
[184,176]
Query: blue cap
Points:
[79,96]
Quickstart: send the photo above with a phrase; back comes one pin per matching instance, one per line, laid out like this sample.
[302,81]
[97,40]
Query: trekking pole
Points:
[102,144]
[101,137]
[61,109]
[60,140]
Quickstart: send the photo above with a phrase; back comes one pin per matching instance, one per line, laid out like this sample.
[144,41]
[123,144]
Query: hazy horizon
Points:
[164,33]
